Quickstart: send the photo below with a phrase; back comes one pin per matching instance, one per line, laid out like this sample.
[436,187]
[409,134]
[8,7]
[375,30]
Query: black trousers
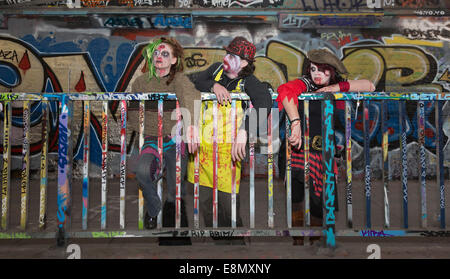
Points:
[223,207]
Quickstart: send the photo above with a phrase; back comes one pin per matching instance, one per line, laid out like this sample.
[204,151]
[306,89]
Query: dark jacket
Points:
[257,91]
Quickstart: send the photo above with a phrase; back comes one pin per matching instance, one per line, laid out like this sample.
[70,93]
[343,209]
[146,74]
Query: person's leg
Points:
[316,197]
[225,219]
[169,210]
[316,208]
[315,222]
[225,210]
[144,176]
[298,197]
[298,218]
[169,205]
[170,163]
[206,205]
[146,171]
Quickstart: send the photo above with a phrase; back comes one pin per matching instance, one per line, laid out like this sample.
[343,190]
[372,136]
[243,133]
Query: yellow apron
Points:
[224,161]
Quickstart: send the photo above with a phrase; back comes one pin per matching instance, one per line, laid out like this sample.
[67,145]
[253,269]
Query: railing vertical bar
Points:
[197,182]
[329,181]
[161,157]
[6,172]
[368,184]
[44,167]
[404,158]
[178,169]
[440,161]
[306,172]
[348,152]
[123,161]
[64,169]
[270,171]
[141,144]
[86,140]
[233,166]
[423,167]
[385,166]
[252,177]
[104,163]
[197,177]
[288,175]
[25,182]
[215,158]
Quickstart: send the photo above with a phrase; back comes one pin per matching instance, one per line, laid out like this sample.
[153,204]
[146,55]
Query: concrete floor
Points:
[254,248]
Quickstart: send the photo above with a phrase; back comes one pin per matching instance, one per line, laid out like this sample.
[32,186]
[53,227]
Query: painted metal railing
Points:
[64,186]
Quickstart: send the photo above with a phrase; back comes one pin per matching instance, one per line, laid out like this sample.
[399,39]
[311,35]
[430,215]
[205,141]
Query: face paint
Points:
[162,58]
[319,77]
[232,63]
[164,54]
[161,51]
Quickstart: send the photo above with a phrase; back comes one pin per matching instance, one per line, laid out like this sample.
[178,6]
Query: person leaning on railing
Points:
[323,74]
[165,74]
[234,74]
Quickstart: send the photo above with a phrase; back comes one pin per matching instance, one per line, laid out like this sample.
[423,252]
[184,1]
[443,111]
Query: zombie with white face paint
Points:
[232,64]
[320,76]
[163,59]
[233,74]
[323,74]
[163,72]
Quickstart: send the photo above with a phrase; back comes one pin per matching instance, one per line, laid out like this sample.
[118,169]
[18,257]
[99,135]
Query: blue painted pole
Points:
[328,151]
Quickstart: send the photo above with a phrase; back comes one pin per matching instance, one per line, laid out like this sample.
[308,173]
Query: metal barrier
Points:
[64,230]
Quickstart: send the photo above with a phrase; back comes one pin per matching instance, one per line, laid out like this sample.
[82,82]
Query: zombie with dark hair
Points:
[233,74]
[164,73]
[323,74]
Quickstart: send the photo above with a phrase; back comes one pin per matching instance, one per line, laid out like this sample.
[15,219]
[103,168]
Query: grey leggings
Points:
[150,186]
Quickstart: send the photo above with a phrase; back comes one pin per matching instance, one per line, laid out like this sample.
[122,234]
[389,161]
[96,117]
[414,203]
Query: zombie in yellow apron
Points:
[224,143]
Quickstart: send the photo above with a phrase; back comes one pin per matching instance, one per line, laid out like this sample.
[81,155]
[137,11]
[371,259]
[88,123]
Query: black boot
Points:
[315,222]
[298,216]
[150,222]
[169,221]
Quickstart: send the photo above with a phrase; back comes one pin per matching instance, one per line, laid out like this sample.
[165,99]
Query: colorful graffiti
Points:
[150,21]
[109,60]
[304,5]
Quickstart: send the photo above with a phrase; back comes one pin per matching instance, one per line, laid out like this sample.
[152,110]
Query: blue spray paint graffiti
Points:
[63,164]
[49,45]
[328,157]
[9,76]
[100,52]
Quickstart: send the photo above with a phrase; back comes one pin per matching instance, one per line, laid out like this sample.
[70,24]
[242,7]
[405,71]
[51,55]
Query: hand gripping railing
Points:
[329,221]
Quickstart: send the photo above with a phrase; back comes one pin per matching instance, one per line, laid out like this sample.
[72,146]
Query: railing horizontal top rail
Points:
[153,96]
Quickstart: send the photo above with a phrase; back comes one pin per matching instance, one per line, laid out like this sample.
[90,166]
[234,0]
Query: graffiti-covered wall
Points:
[400,45]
